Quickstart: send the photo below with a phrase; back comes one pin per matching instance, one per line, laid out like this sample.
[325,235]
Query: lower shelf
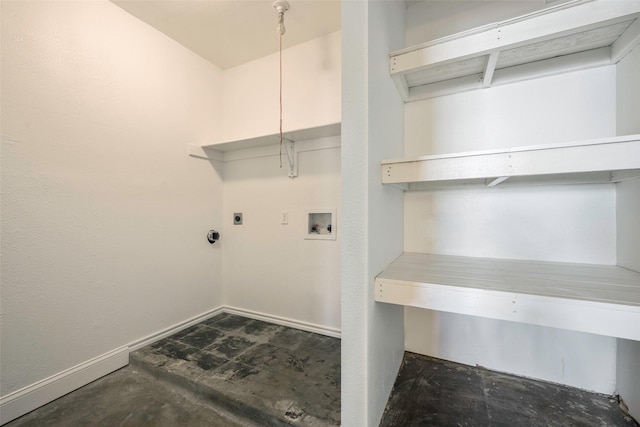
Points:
[599,299]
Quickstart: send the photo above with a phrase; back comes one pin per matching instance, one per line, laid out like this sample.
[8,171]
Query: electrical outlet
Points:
[237,218]
[284,218]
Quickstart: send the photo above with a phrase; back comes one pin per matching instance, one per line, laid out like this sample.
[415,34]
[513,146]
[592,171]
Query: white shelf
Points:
[331,129]
[599,299]
[595,161]
[568,37]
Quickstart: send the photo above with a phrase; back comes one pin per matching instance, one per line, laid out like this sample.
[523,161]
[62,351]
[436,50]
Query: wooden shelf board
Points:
[600,299]
[575,35]
[331,129]
[595,161]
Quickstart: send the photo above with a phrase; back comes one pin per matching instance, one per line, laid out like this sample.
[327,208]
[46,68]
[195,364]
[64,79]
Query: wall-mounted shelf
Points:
[599,299]
[331,129]
[595,161]
[575,35]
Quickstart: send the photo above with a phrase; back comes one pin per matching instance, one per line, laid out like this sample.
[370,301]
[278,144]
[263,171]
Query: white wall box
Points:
[321,224]
[571,36]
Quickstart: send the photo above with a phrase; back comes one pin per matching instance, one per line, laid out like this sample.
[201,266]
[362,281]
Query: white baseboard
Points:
[305,326]
[150,339]
[27,399]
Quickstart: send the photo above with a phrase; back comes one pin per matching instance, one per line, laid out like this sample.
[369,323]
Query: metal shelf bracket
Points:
[291,157]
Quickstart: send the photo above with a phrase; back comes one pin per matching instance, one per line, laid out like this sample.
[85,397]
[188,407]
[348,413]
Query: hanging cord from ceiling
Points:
[281,137]
[281,7]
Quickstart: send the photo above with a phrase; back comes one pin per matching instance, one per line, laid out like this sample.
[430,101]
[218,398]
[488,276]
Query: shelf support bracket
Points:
[490,68]
[291,157]
[497,181]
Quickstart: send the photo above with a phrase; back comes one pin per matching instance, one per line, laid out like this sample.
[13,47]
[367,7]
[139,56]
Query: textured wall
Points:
[311,88]
[104,215]
[372,333]
[268,266]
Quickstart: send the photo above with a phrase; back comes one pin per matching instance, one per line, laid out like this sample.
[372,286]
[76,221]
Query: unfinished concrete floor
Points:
[434,392]
[233,371]
[226,371]
[269,374]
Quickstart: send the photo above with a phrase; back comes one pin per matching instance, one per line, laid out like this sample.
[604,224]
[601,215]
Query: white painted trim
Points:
[27,399]
[284,321]
[157,336]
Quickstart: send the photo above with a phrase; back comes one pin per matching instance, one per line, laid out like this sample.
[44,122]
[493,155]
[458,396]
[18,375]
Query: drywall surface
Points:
[628,375]
[372,333]
[554,223]
[563,108]
[434,19]
[269,267]
[550,354]
[628,94]
[628,197]
[104,216]
[311,87]
[628,222]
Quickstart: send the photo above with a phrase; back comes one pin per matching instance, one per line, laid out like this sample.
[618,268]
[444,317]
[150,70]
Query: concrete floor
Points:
[263,374]
[434,392]
[127,398]
[233,371]
[269,374]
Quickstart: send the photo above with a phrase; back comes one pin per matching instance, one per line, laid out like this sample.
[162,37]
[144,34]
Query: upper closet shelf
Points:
[575,35]
[331,129]
[596,161]
[599,299]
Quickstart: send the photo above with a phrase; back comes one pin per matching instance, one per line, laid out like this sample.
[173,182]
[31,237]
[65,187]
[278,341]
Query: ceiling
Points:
[233,32]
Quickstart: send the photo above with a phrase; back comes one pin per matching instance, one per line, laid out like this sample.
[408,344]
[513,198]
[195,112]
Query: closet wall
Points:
[552,223]
[372,333]
[628,222]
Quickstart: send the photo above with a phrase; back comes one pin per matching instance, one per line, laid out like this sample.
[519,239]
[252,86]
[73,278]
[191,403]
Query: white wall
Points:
[372,333]
[104,216]
[429,20]
[269,268]
[628,122]
[560,223]
[628,222]
[310,94]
